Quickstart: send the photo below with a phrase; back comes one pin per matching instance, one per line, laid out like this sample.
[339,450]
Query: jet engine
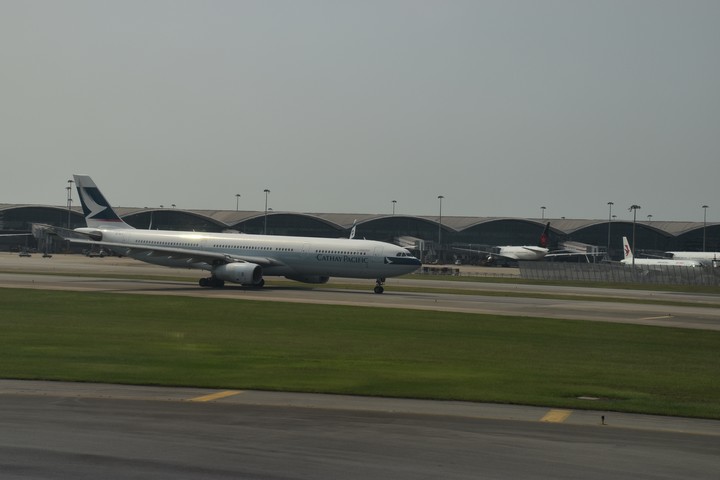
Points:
[309,278]
[245,273]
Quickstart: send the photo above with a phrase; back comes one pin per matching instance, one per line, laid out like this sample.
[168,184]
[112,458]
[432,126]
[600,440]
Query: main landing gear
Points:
[211,282]
[379,285]
[214,282]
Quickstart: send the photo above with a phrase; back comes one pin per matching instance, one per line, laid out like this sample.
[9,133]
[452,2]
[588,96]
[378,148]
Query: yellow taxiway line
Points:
[556,416]
[216,396]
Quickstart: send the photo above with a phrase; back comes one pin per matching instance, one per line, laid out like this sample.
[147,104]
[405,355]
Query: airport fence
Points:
[614,273]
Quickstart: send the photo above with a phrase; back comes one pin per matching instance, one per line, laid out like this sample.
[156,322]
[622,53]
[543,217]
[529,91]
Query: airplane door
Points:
[305,252]
[378,255]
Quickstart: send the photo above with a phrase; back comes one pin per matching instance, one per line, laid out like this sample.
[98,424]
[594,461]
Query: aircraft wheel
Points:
[379,289]
[203,282]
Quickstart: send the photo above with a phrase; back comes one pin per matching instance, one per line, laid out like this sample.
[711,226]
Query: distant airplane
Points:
[707,258]
[516,252]
[234,257]
[653,262]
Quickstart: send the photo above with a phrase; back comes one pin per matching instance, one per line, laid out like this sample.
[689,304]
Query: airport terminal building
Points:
[431,238]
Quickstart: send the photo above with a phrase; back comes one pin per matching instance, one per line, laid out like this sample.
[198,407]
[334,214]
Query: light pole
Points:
[704,207]
[394,202]
[610,204]
[266,200]
[237,201]
[649,217]
[440,198]
[634,209]
[542,212]
[69,200]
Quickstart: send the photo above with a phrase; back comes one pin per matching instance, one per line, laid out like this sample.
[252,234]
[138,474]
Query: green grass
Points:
[240,344]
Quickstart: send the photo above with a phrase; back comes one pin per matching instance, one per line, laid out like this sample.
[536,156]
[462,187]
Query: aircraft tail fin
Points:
[544,238]
[97,210]
[627,251]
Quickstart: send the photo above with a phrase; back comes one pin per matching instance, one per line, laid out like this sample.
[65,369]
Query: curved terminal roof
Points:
[17,217]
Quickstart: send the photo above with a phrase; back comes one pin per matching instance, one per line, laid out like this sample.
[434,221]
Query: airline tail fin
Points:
[97,210]
[544,238]
[627,252]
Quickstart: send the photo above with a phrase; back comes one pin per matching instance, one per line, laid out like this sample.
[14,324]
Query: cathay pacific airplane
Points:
[236,257]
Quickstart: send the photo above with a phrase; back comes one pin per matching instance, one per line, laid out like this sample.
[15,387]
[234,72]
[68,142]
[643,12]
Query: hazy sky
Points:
[343,106]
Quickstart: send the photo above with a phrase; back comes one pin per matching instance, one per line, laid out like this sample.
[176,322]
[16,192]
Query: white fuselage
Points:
[522,252]
[660,262]
[278,255]
[709,258]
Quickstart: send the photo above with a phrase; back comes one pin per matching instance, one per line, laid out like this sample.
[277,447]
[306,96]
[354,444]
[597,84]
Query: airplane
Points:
[708,258]
[236,257]
[516,252]
[527,252]
[653,262]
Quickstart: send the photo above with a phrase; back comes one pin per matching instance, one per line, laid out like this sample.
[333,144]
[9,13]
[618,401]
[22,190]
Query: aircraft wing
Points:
[485,252]
[568,254]
[178,255]
[181,254]
[511,256]
[474,250]
[542,250]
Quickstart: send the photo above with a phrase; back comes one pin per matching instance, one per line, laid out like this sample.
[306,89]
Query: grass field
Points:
[240,344]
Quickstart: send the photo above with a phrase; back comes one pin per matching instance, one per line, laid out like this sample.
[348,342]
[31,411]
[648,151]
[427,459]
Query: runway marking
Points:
[556,416]
[216,396]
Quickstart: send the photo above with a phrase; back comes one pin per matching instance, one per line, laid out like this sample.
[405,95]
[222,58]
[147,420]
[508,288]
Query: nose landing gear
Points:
[379,285]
